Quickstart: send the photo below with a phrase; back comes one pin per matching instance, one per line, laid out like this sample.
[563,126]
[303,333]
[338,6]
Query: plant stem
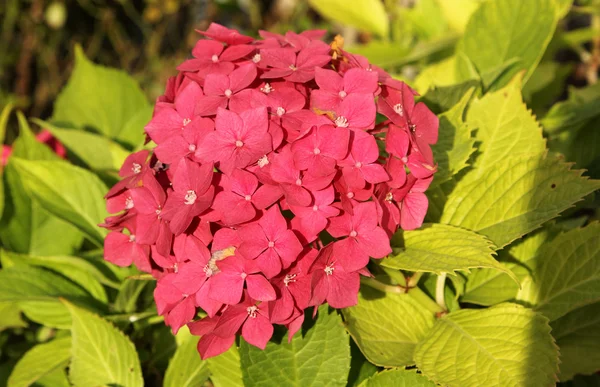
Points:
[439,291]
[414,279]
[372,282]
[416,293]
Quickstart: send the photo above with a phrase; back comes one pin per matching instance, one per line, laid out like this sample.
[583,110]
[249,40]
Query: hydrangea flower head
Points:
[264,149]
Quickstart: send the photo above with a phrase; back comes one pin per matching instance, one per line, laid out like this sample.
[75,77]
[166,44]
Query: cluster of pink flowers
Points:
[273,181]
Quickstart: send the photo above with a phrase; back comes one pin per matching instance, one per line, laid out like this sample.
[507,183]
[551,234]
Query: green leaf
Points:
[129,293]
[506,345]
[489,286]
[515,197]
[455,144]
[367,15]
[442,98]
[76,269]
[440,248]
[68,192]
[379,326]
[225,369]
[458,12]
[566,274]
[320,356]
[186,369]
[505,128]
[56,378]
[103,99]
[40,361]
[581,146]
[26,227]
[101,353]
[37,292]
[577,335]
[10,316]
[26,146]
[563,7]
[439,74]
[398,378]
[546,85]
[504,30]
[97,152]
[570,115]
[425,18]
[360,368]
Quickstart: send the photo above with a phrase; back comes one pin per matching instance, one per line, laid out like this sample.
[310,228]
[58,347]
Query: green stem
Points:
[372,282]
[439,291]
[414,279]
[416,293]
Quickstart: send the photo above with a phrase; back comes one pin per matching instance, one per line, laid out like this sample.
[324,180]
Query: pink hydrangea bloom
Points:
[272,184]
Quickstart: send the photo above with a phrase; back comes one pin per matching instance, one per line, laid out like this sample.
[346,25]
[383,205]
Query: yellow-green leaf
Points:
[367,15]
[101,354]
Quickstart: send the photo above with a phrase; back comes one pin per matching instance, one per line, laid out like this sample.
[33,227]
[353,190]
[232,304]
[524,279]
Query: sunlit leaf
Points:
[101,353]
[379,326]
[68,192]
[321,356]
[103,99]
[40,361]
[511,343]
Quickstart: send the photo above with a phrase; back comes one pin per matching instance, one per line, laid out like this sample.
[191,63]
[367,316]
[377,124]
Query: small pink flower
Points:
[251,317]
[170,121]
[289,178]
[226,35]
[293,286]
[123,250]
[132,171]
[238,202]
[311,220]
[356,112]
[185,142]
[332,282]
[151,227]
[284,63]
[361,164]
[223,90]
[177,307]
[270,243]
[235,271]
[239,140]
[364,238]
[192,194]
[211,57]
[210,345]
[334,88]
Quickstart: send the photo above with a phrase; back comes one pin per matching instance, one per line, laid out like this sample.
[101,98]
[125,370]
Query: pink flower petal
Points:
[257,331]
[212,345]
[259,288]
